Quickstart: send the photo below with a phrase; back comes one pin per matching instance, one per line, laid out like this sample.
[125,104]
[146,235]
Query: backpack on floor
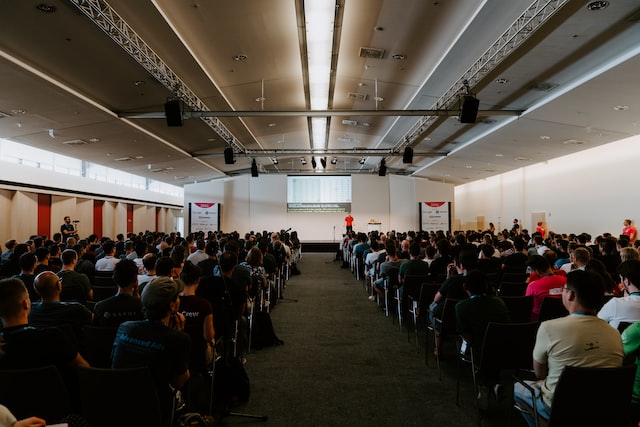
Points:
[262,333]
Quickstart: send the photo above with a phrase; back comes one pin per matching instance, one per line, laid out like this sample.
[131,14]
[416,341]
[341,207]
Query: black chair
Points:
[126,396]
[98,343]
[589,397]
[443,327]
[417,304]
[39,392]
[506,346]
[551,308]
[512,288]
[519,307]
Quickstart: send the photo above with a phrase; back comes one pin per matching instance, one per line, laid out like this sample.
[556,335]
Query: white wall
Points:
[592,191]
[261,204]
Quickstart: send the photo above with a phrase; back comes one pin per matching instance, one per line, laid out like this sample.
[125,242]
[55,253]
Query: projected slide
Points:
[318,193]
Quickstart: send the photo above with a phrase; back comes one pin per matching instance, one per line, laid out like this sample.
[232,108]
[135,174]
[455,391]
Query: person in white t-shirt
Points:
[626,308]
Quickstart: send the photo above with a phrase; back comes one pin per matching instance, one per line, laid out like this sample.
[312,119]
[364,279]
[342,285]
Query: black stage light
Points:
[382,171]
[407,157]
[254,168]
[313,162]
[469,110]
[323,162]
[172,112]
[228,156]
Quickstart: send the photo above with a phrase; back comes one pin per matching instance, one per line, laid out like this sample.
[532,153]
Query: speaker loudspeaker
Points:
[382,171]
[228,156]
[173,113]
[469,110]
[407,157]
[254,168]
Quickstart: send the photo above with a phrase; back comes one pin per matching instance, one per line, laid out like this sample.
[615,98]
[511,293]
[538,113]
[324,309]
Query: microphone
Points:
[287,230]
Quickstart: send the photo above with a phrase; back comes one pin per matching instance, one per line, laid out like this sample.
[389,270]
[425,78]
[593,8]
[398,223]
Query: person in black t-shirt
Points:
[125,305]
[158,341]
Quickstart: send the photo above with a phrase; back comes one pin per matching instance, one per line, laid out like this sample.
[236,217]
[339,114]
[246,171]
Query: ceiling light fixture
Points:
[319,21]
[598,5]
[274,160]
[362,160]
[334,160]
[46,8]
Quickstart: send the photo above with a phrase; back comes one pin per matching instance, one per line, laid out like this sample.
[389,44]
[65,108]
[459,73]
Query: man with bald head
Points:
[51,311]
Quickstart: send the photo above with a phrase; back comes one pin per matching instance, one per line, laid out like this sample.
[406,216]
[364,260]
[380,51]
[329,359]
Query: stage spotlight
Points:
[254,168]
[274,160]
[313,162]
[382,171]
[323,162]
[362,160]
[334,160]
[228,156]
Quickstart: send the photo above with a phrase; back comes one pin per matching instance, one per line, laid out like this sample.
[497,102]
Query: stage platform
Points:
[319,246]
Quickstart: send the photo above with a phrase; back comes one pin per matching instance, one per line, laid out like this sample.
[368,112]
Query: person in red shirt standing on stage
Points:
[348,220]
[540,229]
[630,230]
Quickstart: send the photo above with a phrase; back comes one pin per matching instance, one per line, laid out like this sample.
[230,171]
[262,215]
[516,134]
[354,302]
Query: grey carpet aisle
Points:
[345,363]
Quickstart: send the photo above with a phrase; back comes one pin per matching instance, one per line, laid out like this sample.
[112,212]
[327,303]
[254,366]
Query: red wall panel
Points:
[44,215]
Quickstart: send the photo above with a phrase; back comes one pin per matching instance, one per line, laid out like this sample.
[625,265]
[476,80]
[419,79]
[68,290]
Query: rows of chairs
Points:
[506,347]
[108,397]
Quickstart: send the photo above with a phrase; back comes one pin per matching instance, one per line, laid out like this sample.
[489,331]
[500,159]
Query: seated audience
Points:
[109,260]
[473,314]
[549,284]
[28,263]
[625,308]
[158,341]
[75,286]
[51,311]
[580,339]
[125,304]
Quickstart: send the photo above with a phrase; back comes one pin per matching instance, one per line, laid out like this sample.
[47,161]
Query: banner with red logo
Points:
[205,216]
[435,216]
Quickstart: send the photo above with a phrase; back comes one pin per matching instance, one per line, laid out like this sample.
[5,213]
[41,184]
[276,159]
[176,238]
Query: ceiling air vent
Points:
[543,86]
[357,96]
[349,122]
[371,52]
[123,159]
[75,142]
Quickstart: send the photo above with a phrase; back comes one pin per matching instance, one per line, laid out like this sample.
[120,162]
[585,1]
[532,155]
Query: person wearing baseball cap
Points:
[158,341]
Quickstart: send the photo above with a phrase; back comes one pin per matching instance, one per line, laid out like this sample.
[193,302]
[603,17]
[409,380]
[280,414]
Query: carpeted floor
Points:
[345,363]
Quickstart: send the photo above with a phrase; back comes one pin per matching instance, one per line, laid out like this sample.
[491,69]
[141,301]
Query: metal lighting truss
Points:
[103,15]
[523,27]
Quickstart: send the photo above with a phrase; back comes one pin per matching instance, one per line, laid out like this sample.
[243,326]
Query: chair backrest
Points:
[112,397]
[512,288]
[551,308]
[448,320]
[103,278]
[508,345]
[519,307]
[39,392]
[593,396]
[412,286]
[98,343]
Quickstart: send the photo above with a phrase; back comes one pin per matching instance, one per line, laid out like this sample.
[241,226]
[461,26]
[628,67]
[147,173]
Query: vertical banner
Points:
[435,216]
[204,216]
